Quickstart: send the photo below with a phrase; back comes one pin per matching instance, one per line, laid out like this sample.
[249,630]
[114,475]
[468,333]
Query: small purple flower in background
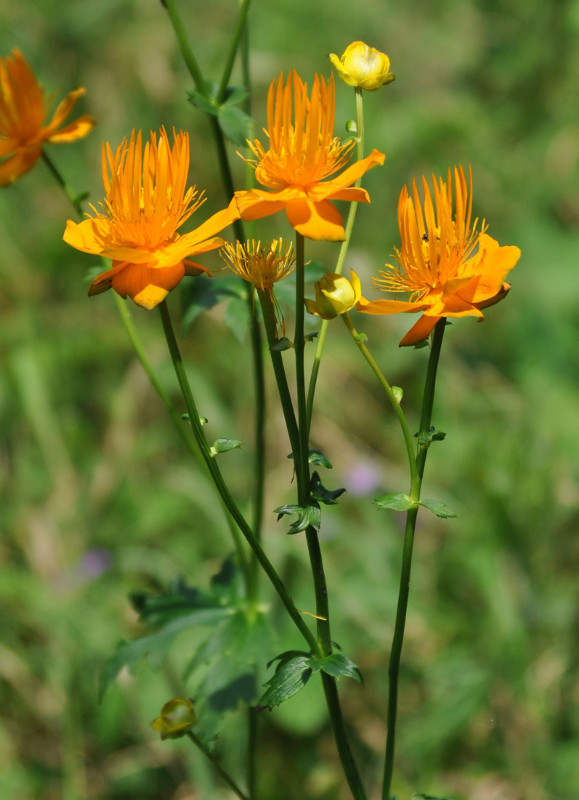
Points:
[363,478]
[94,563]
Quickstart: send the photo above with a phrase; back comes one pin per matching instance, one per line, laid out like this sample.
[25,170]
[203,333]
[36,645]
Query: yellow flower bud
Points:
[363,66]
[177,718]
[335,295]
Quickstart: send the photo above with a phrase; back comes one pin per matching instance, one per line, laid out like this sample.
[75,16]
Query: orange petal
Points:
[320,221]
[194,269]
[379,307]
[89,235]
[147,286]
[78,129]
[213,225]
[353,194]
[8,146]
[62,111]
[19,164]
[352,173]
[252,206]
[104,281]
[420,331]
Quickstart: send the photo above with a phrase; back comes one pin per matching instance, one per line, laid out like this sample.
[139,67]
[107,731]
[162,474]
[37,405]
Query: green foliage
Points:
[235,123]
[319,492]
[401,502]
[306,516]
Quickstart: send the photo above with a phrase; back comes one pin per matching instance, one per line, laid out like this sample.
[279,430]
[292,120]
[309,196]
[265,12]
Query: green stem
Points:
[239,30]
[186,51]
[75,199]
[219,482]
[222,773]
[402,607]
[324,642]
[341,257]
[408,438]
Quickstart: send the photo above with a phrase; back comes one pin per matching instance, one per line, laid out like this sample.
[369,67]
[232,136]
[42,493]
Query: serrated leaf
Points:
[394,502]
[306,516]
[234,123]
[319,459]
[338,664]
[290,676]
[203,103]
[319,492]
[287,655]
[204,293]
[439,508]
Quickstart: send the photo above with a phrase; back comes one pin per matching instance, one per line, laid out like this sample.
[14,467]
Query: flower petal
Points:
[420,331]
[63,110]
[252,206]
[19,164]
[147,286]
[320,221]
[351,174]
[378,307]
[78,129]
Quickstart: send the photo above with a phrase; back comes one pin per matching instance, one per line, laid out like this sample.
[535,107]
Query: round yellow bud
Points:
[176,719]
[335,295]
[363,66]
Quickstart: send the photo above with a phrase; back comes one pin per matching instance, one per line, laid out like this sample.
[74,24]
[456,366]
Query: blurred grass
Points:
[99,497]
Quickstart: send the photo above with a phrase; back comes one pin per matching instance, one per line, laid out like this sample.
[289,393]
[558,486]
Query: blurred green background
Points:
[99,497]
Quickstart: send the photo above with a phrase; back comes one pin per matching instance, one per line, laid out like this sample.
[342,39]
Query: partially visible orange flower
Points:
[147,201]
[302,155]
[23,119]
[447,264]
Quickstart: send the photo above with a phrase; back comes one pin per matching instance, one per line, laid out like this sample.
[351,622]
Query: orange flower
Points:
[302,154]
[447,266]
[23,114]
[147,200]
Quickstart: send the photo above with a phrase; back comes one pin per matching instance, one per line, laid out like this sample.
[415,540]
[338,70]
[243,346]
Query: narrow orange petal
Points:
[19,164]
[419,331]
[78,129]
[379,307]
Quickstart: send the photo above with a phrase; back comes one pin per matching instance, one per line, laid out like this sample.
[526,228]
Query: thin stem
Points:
[252,752]
[324,642]
[186,50]
[219,481]
[321,341]
[76,200]
[411,515]
[408,438]
[222,773]
[239,29]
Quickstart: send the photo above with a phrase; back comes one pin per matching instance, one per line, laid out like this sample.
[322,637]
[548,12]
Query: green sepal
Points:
[290,676]
[307,516]
[282,344]
[338,664]
[224,445]
[319,492]
[395,502]
[439,508]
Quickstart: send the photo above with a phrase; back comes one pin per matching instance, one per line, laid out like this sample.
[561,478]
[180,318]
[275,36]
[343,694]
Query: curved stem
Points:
[222,773]
[341,257]
[75,199]
[186,51]
[411,515]
[219,482]
[239,29]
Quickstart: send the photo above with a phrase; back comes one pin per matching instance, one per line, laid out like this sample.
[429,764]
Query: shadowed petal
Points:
[320,221]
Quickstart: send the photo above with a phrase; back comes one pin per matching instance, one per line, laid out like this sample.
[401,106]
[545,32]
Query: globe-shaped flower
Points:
[335,295]
[363,66]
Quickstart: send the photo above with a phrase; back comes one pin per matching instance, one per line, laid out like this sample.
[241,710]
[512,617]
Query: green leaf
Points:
[291,675]
[234,123]
[224,445]
[319,459]
[204,293]
[282,344]
[323,495]
[395,502]
[421,796]
[235,94]
[309,337]
[237,317]
[203,103]
[306,516]
[439,508]
[338,664]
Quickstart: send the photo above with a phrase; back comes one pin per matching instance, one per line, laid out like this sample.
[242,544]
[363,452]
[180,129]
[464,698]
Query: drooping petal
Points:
[18,164]
[104,281]
[351,174]
[379,307]
[147,286]
[77,129]
[252,205]
[420,331]
[320,221]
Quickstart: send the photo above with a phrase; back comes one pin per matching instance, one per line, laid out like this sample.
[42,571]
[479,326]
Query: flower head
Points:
[176,719]
[302,156]
[448,266]
[335,295]
[261,265]
[363,66]
[147,200]
[23,119]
